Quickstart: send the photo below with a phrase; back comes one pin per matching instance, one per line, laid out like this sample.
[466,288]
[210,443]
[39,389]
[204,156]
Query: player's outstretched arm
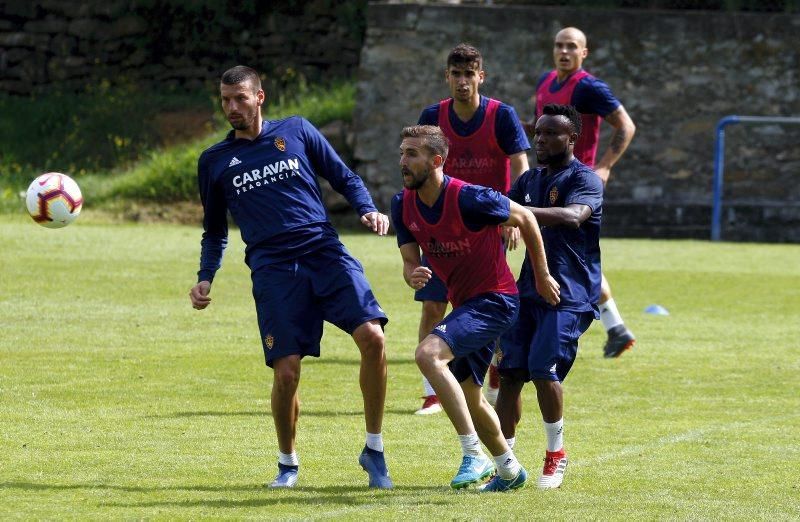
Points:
[377,222]
[199,295]
[523,218]
[571,216]
[624,130]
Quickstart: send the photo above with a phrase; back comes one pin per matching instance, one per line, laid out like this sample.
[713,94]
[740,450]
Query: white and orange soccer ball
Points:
[54,200]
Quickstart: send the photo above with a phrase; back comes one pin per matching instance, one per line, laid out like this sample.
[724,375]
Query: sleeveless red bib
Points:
[470,263]
[586,147]
[477,158]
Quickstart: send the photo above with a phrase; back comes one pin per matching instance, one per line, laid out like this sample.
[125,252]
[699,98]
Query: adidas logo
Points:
[441,328]
[527,198]
[553,369]
[413,227]
[235,161]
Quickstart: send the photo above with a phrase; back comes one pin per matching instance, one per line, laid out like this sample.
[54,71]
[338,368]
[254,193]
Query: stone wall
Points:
[69,43]
[677,73]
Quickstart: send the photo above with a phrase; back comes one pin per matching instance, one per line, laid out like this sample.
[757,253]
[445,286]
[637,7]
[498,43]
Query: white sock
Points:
[288,459]
[427,387]
[507,465]
[375,441]
[555,434]
[470,444]
[609,315]
[511,442]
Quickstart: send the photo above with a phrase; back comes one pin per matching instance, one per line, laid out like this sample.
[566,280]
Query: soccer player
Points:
[456,225]
[265,174]
[566,197]
[488,147]
[570,84]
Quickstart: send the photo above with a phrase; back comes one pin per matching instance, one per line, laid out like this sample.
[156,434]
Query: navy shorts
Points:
[294,297]
[471,329]
[543,341]
[435,290]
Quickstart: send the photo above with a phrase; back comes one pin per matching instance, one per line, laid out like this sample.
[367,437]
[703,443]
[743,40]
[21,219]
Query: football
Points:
[54,200]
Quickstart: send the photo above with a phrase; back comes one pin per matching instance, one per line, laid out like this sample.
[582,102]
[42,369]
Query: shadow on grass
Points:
[266,413]
[333,495]
[391,361]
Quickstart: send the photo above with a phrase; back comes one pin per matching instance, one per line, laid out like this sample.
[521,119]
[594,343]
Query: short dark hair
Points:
[433,139]
[240,74]
[465,54]
[568,111]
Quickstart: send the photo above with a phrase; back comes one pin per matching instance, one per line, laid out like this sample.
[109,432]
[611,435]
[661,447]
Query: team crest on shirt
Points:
[553,195]
[280,143]
[269,341]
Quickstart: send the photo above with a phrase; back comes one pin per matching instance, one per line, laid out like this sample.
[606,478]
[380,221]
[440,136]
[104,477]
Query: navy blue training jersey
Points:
[573,256]
[591,95]
[479,206]
[508,129]
[271,189]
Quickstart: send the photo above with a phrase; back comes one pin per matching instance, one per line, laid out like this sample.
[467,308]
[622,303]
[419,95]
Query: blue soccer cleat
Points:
[374,464]
[473,469]
[501,484]
[287,477]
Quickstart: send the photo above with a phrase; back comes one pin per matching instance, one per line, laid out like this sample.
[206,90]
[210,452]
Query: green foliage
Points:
[171,175]
[104,127]
[122,402]
[91,134]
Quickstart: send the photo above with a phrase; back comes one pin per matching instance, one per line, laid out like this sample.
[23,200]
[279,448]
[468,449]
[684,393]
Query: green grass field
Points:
[119,401]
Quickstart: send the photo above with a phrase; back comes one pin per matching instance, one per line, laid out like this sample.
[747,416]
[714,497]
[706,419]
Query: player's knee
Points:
[513,379]
[370,339]
[428,357]
[286,376]
[424,357]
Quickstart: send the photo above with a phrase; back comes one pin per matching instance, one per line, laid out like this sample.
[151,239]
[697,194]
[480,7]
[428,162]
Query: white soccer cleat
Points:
[555,464]
[430,406]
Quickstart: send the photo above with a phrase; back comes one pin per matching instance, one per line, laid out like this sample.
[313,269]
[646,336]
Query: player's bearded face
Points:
[415,163]
[414,178]
[241,104]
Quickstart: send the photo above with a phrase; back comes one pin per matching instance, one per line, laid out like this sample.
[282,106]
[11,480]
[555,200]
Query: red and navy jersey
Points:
[270,187]
[470,261]
[573,255]
[480,147]
[591,97]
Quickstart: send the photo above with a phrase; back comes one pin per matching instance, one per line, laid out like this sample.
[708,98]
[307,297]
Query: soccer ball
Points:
[54,200]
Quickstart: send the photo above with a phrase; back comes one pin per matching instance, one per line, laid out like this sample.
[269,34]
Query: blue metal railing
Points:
[719,162]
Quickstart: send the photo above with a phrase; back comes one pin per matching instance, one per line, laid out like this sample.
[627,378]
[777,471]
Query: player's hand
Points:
[379,223]
[604,173]
[549,289]
[420,277]
[511,237]
[199,295]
